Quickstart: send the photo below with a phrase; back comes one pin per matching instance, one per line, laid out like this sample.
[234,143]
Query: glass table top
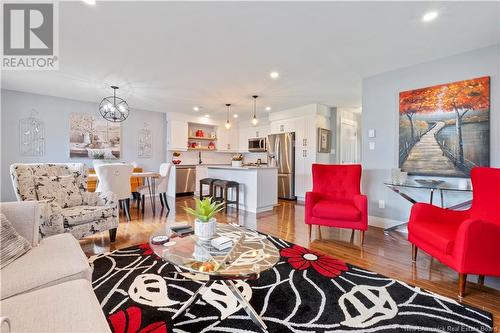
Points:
[250,254]
[445,186]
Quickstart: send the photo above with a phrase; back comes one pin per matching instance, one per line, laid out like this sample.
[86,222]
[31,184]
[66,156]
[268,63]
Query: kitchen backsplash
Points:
[208,157]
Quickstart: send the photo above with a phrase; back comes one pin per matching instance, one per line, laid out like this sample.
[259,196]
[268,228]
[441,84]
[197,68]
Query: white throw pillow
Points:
[63,189]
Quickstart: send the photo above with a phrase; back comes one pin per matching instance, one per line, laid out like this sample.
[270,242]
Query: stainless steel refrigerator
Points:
[281,154]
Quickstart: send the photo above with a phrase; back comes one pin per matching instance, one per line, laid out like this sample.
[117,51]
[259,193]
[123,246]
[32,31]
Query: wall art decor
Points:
[144,142]
[31,136]
[444,130]
[91,136]
[324,140]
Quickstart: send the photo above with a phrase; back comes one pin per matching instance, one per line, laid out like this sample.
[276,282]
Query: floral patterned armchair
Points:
[66,205]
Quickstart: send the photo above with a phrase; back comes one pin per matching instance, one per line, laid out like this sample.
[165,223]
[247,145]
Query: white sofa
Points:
[48,289]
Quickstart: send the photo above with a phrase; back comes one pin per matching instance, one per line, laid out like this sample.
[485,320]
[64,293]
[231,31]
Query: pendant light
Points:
[255,121]
[114,109]
[227,125]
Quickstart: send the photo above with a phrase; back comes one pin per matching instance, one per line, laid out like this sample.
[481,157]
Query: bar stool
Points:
[209,182]
[224,186]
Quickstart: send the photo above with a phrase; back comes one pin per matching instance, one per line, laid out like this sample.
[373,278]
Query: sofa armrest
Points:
[51,219]
[426,212]
[477,247]
[24,217]
[5,325]
[99,199]
[311,199]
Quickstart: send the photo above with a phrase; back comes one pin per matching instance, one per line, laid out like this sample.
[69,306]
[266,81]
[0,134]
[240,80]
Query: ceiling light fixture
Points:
[255,121]
[235,115]
[89,2]
[206,116]
[268,108]
[196,108]
[227,125]
[430,16]
[274,75]
[114,109]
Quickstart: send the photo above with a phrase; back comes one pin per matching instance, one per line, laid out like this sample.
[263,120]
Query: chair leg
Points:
[225,199]
[309,226]
[112,235]
[462,281]
[480,280]
[143,199]
[165,200]
[126,206]
[414,251]
[352,236]
[362,237]
[319,232]
[238,198]
[161,200]
[138,202]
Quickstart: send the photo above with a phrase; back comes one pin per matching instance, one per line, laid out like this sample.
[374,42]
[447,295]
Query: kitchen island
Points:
[258,185]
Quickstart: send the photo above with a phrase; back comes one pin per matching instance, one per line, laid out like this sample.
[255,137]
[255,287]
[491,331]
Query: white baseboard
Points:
[382,222]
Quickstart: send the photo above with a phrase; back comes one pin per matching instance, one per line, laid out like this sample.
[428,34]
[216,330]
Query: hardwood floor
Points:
[385,253]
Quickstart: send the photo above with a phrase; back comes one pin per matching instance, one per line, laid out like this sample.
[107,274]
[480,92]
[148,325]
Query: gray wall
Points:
[380,111]
[55,113]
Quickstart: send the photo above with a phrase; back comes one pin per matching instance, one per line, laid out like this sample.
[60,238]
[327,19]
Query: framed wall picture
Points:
[324,140]
[444,130]
[91,136]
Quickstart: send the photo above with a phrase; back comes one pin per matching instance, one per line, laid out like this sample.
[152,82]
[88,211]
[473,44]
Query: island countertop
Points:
[248,167]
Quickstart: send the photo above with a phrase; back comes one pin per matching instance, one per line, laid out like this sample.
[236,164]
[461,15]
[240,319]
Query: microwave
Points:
[257,144]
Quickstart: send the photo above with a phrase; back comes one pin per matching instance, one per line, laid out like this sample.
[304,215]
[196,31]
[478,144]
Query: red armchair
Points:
[335,200]
[467,241]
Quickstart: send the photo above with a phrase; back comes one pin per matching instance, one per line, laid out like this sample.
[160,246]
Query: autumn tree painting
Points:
[444,129]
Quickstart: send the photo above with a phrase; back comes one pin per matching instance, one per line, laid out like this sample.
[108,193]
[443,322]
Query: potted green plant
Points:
[204,212]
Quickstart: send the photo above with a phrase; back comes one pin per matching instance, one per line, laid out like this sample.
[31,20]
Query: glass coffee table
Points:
[250,254]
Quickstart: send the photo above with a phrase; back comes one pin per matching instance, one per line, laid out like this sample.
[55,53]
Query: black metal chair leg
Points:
[165,200]
[126,205]
[161,200]
[143,199]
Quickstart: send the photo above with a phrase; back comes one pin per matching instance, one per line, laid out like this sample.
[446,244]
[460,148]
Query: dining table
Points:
[149,177]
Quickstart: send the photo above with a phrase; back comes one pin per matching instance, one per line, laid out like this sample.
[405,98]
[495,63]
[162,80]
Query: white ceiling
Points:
[170,56]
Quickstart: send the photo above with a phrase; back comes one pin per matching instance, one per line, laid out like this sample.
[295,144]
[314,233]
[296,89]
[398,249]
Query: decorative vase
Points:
[205,230]
[236,163]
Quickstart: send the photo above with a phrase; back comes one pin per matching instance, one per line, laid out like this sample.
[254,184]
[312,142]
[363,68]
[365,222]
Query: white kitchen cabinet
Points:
[304,159]
[283,126]
[258,131]
[306,132]
[227,139]
[244,135]
[177,134]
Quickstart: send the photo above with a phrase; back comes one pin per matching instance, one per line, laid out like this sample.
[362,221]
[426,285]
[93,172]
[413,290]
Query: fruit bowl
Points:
[176,162]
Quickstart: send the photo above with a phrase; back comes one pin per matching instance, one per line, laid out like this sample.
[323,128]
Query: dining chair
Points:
[116,178]
[161,187]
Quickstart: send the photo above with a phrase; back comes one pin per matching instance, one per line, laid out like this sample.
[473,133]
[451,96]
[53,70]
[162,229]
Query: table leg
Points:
[432,196]
[442,198]
[153,189]
[244,303]
[151,193]
[193,298]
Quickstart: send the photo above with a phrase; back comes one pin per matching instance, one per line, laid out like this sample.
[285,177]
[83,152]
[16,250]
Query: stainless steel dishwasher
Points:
[185,180]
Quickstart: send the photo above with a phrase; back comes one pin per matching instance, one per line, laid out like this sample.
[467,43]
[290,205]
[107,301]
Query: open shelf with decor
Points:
[202,137]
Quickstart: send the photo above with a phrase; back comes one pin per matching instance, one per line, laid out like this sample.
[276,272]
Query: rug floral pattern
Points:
[306,291]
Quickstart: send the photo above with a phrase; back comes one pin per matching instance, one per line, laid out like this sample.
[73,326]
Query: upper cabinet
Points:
[283,126]
[227,139]
[177,134]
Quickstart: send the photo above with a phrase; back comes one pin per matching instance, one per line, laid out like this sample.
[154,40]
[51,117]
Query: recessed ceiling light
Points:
[89,2]
[206,116]
[235,115]
[268,108]
[196,108]
[430,16]
[274,75]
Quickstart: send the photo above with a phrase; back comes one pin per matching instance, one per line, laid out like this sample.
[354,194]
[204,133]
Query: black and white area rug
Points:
[305,292]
